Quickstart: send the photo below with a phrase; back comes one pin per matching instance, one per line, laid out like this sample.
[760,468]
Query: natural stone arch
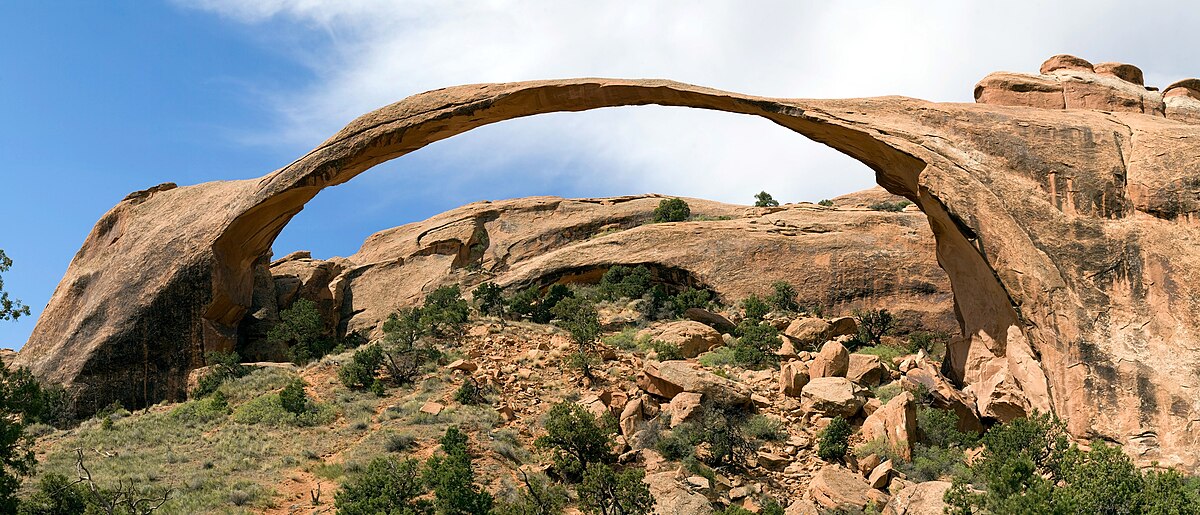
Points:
[988,177]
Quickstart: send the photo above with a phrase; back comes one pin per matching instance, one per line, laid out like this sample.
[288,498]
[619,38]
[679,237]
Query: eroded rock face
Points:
[1064,206]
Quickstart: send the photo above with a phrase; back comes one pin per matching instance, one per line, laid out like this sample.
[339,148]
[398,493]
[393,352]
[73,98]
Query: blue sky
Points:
[98,99]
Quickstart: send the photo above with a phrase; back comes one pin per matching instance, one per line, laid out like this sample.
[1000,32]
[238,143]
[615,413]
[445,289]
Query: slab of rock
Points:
[632,417]
[672,378]
[841,326]
[773,461]
[692,338]
[710,319]
[835,487]
[919,499]
[832,396]
[880,475]
[671,498]
[463,365]
[865,369]
[802,507]
[432,408]
[832,361]
[793,375]
[894,423]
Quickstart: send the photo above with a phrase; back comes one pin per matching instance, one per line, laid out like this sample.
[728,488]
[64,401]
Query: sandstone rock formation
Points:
[1064,207]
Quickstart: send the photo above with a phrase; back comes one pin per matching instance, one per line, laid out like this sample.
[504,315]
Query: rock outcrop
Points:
[1064,207]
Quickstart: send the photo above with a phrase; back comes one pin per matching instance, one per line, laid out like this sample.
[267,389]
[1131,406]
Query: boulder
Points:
[802,507]
[880,475]
[632,418]
[832,396]
[672,378]
[672,498]
[710,319]
[895,423]
[944,395]
[807,331]
[919,499]
[692,338]
[772,460]
[683,407]
[865,369]
[793,375]
[841,326]
[432,408]
[463,365]
[832,361]
[835,487]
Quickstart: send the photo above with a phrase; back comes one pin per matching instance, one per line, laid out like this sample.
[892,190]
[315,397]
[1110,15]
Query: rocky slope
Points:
[839,258]
[1067,229]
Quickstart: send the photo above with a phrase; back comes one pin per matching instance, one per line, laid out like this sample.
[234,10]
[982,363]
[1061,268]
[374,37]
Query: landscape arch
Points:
[183,257]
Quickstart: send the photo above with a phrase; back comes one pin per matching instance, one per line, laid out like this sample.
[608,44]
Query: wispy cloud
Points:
[371,53]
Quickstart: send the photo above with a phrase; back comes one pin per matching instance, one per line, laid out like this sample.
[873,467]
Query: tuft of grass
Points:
[885,352]
[718,357]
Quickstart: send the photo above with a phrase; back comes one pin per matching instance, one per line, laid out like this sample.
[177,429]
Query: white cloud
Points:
[373,53]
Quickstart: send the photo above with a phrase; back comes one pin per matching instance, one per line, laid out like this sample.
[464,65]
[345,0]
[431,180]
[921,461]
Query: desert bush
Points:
[403,354]
[764,428]
[672,210]
[826,203]
[718,429]
[452,478]
[444,311]
[398,442]
[623,282]
[624,340]
[388,485]
[1027,466]
[302,331]
[579,317]
[894,207]
[536,496]
[834,440]
[783,297]
[576,439]
[489,299]
[360,372]
[754,308]
[756,345]
[873,324]
[268,410]
[607,492]
[690,298]
[664,351]
[471,393]
[55,495]
[293,399]
[225,366]
[718,357]
[764,199]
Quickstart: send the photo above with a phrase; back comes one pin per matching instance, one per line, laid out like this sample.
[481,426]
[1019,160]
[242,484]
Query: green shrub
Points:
[293,399]
[873,324]
[826,203]
[762,427]
[623,282]
[764,199]
[203,410]
[538,496]
[403,354]
[719,430]
[885,352]
[754,308]
[302,331]
[389,486]
[1027,466]
[834,440]
[665,351]
[470,393]
[225,366]
[624,340]
[783,297]
[672,210]
[55,495]
[690,298]
[675,445]
[718,357]
[757,344]
[894,207]
[444,311]
[933,463]
[606,492]
[268,410]
[360,372]
[579,317]
[489,299]
[576,439]
[452,478]
[939,428]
